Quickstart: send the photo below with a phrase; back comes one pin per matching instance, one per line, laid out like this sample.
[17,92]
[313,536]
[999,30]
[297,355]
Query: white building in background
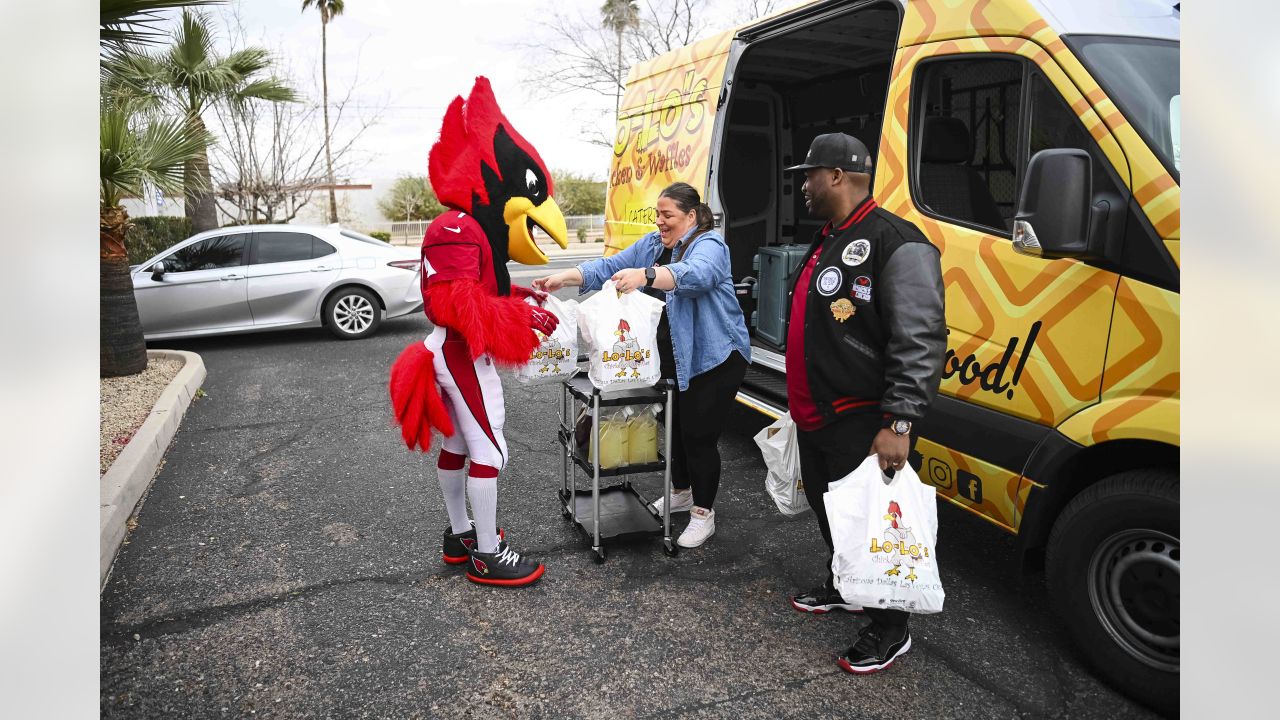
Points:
[154,204]
[357,205]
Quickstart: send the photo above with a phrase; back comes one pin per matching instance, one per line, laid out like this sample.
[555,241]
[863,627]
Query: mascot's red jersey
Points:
[456,248]
[497,190]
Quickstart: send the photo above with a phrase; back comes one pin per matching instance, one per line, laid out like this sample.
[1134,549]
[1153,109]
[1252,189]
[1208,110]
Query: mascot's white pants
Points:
[472,393]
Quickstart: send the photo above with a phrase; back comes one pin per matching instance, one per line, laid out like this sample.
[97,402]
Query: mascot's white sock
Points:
[483,492]
[453,483]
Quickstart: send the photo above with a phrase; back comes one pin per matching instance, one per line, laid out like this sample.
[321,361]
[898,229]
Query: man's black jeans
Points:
[827,455]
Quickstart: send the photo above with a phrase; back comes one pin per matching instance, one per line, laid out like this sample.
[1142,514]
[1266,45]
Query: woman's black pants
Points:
[700,415]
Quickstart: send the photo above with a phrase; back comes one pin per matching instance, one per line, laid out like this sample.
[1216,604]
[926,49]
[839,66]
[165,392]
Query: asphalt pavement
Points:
[287,563]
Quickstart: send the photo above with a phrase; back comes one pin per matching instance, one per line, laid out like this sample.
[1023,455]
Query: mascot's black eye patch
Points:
[521,176]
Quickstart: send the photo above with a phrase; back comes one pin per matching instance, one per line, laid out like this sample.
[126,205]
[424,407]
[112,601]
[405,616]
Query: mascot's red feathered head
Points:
[483,167]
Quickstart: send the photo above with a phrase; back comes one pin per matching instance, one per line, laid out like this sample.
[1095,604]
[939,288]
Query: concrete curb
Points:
[130,475]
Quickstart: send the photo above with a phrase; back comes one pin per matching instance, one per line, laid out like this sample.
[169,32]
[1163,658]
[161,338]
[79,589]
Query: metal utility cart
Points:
[616,512]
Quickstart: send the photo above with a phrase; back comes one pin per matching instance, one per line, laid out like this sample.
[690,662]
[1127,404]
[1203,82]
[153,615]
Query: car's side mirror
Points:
[157,271]
[1052,220]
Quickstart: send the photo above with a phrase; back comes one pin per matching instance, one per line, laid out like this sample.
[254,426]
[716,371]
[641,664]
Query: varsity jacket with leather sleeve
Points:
[874,321]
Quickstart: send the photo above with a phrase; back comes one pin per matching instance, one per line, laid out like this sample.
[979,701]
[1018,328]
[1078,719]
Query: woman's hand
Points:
[552,283]
[628,280]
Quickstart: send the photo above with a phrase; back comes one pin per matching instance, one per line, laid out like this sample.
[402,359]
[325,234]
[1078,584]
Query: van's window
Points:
[1054,125]
[966,139]
[208,254]
[1141,77]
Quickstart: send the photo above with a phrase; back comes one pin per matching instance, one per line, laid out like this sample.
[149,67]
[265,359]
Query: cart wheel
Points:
[600,556]
[565,514]
[670,549]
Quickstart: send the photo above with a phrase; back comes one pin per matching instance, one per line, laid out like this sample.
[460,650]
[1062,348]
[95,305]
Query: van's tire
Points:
[352,313]
[1112,568]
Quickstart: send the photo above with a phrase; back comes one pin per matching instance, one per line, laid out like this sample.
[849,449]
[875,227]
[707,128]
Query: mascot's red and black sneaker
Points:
[457,547]
[503,567]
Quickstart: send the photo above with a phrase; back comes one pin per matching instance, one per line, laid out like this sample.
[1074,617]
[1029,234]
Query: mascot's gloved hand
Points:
[520,293]
[543,321]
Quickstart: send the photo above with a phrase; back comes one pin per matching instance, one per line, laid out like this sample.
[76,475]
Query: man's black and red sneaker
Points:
[457,547]
[822,599]
[503,567]
[875,650]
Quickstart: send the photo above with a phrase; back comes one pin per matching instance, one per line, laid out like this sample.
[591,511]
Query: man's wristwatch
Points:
[899,426]
[650,274]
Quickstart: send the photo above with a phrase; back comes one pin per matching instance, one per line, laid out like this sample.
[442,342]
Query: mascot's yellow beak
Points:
[888,517]
[521,215]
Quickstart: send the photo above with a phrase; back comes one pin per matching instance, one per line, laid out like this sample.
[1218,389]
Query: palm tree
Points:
[329,9]
[619,16]
[189,77]
[134,152]
[130,158]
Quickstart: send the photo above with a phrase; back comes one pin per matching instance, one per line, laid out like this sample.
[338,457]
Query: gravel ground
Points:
[125,404]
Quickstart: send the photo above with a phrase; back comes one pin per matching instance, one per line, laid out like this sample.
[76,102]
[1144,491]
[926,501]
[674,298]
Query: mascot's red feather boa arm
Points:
[496,188]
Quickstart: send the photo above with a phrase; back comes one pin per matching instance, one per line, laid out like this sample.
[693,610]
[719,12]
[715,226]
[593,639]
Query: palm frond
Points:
[193,43]
[131,79]
[156,155]
[248,61]
[272,89]
[133,22]
[329,9]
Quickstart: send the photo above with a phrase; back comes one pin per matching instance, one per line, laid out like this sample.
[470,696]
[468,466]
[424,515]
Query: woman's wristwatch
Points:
[650,274]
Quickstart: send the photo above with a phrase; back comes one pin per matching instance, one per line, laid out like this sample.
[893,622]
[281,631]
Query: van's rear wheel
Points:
[1113,567]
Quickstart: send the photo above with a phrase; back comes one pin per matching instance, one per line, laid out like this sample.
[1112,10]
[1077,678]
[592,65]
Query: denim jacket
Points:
[703,312]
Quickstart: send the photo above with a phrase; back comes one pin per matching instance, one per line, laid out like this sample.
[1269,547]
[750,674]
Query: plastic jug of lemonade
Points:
[642,438]
[613,441]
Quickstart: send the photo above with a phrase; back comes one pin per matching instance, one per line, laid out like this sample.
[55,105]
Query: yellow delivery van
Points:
[1036,143]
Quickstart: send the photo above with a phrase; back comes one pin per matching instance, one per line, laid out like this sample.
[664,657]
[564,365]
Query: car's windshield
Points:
[364,238]
[1141,77]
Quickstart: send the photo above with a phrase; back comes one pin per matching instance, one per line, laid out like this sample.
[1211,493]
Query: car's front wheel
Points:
[1113,569]
[352,313]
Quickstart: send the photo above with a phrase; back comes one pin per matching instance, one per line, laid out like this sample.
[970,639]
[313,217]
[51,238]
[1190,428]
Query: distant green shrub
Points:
[147,236]
[382,235]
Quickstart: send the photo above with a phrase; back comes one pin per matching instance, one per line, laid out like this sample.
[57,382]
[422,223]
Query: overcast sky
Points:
[414,56]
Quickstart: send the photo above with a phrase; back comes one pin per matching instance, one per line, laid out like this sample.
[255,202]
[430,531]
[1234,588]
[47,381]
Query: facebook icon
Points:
[969,485]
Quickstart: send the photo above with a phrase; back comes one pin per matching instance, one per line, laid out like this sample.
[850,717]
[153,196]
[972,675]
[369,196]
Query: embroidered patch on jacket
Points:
[829,281]
[856,252]
[862,288]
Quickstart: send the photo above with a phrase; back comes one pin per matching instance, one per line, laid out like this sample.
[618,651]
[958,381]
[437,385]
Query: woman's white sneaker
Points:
[680,502]
[702,525]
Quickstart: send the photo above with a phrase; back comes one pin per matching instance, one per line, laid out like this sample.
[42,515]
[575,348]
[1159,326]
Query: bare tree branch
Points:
[270,162]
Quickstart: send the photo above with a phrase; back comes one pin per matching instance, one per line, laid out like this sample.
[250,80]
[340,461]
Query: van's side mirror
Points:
[1052,220]
[157,271]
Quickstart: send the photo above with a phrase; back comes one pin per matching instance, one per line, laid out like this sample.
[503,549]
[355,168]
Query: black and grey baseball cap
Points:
[835,150]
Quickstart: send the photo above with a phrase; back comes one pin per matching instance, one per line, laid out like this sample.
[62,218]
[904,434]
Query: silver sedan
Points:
[271,277]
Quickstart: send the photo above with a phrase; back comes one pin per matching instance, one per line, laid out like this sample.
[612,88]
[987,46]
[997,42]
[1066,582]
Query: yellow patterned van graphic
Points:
[664,134]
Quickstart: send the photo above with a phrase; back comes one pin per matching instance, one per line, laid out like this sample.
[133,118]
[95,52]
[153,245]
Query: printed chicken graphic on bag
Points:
[902,542]
[628,350]
[550,352]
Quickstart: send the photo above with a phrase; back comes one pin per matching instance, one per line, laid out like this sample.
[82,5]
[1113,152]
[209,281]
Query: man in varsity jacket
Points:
[864,355]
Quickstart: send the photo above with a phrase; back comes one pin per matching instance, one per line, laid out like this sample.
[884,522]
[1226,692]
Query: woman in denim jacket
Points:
[702,338]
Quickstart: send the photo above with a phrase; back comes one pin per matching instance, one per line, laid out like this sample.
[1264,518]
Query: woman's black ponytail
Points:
[687,199]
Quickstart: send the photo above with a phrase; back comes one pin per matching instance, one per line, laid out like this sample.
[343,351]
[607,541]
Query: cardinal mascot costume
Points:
[496,189]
